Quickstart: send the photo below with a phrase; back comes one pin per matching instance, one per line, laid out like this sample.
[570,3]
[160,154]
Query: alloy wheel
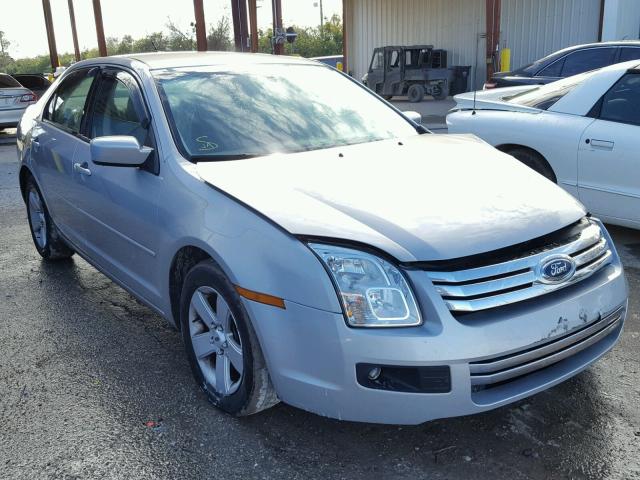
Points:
[216,340]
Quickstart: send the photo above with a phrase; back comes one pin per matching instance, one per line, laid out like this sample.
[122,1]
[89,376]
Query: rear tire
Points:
[415,93]
[222,347]
[44,233]
[533,160]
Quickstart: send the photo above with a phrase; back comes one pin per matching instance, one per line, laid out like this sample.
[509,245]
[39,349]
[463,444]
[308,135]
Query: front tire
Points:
[45,235]
[222,347]
[415,93]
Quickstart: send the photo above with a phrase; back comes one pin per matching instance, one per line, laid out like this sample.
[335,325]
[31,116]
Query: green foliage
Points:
[311,42]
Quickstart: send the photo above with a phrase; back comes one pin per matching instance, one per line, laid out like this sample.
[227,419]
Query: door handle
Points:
[601,144]
[82,168]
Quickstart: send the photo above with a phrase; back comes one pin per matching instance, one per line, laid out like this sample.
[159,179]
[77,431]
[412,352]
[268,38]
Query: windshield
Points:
[544,96]
[217,114]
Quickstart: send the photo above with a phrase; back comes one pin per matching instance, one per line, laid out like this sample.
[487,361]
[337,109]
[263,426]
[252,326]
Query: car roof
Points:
[161,60]
[614,43]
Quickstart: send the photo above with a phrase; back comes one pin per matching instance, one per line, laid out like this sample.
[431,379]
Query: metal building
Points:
[471,30]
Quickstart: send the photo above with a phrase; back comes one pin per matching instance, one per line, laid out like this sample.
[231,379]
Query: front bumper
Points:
[312,355]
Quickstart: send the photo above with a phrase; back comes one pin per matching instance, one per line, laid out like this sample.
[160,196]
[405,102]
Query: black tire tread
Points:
[55,248]
[533,160]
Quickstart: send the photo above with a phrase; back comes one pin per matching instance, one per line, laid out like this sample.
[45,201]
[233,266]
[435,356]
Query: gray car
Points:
[14,100]
[313,244]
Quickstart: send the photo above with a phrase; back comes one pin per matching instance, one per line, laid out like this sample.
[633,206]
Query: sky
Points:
[23,20]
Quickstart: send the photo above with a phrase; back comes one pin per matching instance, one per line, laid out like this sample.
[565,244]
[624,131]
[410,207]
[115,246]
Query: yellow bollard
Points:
[339,66]
[505,60]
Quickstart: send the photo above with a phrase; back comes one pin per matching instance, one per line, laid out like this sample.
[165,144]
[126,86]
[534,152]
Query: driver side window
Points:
[116,110]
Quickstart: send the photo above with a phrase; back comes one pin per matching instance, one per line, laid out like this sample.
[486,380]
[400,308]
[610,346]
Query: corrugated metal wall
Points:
[533,29]
[449,24]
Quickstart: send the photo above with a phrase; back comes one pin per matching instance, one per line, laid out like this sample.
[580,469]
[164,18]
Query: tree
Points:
[219,37]
[5,58]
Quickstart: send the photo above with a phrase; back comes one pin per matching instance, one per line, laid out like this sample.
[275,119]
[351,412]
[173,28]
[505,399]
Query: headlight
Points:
[374,293]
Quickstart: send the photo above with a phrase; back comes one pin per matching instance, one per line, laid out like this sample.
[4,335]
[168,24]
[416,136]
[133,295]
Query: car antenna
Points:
[475,90]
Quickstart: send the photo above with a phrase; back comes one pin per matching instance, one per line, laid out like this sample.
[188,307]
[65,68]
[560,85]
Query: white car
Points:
[582,132]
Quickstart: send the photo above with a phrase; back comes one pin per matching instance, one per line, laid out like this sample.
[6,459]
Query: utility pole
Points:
[74,32]
[253,25]
[321,18]
[240,24]
[97,13]
[201,31]
[278,48]
[51,37]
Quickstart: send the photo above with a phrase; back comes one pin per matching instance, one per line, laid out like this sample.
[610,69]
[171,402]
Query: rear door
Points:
[608,159]
[54,142]
[121,218]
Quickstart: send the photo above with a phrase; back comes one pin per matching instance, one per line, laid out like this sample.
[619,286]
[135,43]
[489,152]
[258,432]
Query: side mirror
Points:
[414,117]
[118,151]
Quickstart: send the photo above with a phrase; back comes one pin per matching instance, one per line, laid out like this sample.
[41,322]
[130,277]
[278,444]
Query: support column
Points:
[74,32]
[51,38]
[493,33]
[201,29]
[97,13]
[240,24]
[345,64]
[253,25]
[278,48]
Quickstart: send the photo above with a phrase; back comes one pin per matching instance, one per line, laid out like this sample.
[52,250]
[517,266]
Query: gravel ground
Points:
[95,385]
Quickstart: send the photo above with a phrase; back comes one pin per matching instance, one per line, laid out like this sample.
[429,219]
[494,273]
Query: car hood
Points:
[427,197]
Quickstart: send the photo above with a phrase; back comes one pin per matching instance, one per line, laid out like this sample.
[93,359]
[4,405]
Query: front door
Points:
[121,204]
[608,158]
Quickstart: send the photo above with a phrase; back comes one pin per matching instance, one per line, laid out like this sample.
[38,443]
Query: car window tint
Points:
[66,107]
[6,81]
[114,112]
[545,96]
[622,102]
[552,70]
[589,59]
[627,54]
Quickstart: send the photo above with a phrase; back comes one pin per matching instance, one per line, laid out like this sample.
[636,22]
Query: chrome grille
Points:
[507,367]
[516,280]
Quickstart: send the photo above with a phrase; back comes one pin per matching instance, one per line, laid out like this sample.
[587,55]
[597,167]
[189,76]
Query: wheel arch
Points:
[183,260]
[23,176]
[506,147]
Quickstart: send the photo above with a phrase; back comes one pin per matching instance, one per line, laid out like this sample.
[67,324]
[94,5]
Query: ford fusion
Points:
[313,244]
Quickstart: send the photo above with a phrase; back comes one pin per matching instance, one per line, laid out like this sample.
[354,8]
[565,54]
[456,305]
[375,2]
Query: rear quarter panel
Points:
[555,136]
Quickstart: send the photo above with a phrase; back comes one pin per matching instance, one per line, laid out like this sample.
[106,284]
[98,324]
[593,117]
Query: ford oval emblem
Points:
[556,269]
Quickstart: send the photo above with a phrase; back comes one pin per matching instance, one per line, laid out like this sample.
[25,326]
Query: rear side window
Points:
[7,81]
[622,103]
[67,105]
[552,70]
[586,60]
[627,54]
